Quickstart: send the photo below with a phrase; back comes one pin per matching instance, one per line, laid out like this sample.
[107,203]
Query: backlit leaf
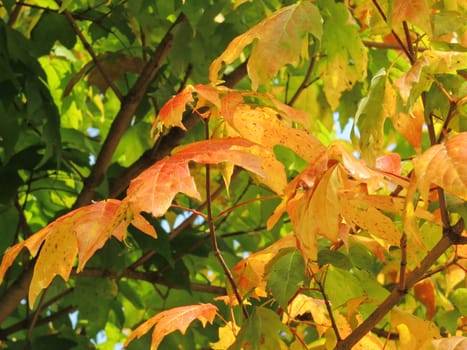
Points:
[444,165]
[452,343]
[345,60]
[425,292]
[178,318]
[303,304]
[154,189]
[171,113]
[277,42]
[414,11]
[416,333]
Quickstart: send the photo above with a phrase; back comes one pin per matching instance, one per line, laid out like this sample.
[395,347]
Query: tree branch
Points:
[167,142]
[128,107]
[17,292]
[397,294]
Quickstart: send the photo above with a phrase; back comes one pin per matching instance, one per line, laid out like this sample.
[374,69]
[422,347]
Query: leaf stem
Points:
[212,233]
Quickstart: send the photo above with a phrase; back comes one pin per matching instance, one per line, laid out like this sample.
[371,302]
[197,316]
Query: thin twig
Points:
[37,313]
[396,36]
[408,39]
[15,13]
[403,264]
[127,109]
[91,52]
[305,82]
[212,233]
[328,306]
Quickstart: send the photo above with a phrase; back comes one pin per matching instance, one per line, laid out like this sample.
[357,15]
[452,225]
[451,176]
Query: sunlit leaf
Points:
[415,11]
[452,343]
[154,190]
[178,318]
[415,333]
[444,165]
[303,304]
[277,42]
[171,113]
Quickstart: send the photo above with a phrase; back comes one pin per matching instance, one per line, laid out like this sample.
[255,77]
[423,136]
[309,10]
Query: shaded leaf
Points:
[425,292]
[285,276]
[415,11]
[277,42]
[178,318]
[444,165]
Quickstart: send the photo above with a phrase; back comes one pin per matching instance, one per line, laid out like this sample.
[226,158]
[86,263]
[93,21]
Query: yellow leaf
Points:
[277,42]
[227,337]
[414,332]
[56,258]
[303,304]
[378,225]
[261,125]
[178,318]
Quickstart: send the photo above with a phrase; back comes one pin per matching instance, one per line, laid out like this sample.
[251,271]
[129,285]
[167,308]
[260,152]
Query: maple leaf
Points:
[81,232]
[425,292]
[451,343]
[261,125]
[444,165]
[345,60]
[172,111]
[154,189]
[249,272]
[414,11]
[303,304]
[277,42]
[178,318]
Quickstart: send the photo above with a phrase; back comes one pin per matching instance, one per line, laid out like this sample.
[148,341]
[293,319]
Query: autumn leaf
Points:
[415,11]
[410,125]
[248,273]
[261,125]
[371,115]
[302,304]
[277,41]
[425,292]
[345,58]
[444,165]
[452,343]
[81,232]
[414,332]
[178,318]
[171,113]
[154,189]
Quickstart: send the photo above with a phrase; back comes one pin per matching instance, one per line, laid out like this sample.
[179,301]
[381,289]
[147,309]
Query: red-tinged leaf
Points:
[262,126]
[178,318]
[425,292]
[154,190]
[208,94]
[172,112]
[415,11]
[390,163]
[277,41]
[249,272]
[451,343]
[444,165]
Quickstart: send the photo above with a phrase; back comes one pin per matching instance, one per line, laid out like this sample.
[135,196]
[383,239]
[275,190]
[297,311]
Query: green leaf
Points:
[285,276]
[371,114]
[345,58]
[50,28]
[341,286]
[260,332]
[459,299]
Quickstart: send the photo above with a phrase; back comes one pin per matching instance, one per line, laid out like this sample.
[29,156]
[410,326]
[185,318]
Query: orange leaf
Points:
[171,113]
[178,318]
[444,165]
[80,232]
[277,41]
[425,292]
[414,11]
[390,163]
[249,272]
[411,125]
[154,189]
